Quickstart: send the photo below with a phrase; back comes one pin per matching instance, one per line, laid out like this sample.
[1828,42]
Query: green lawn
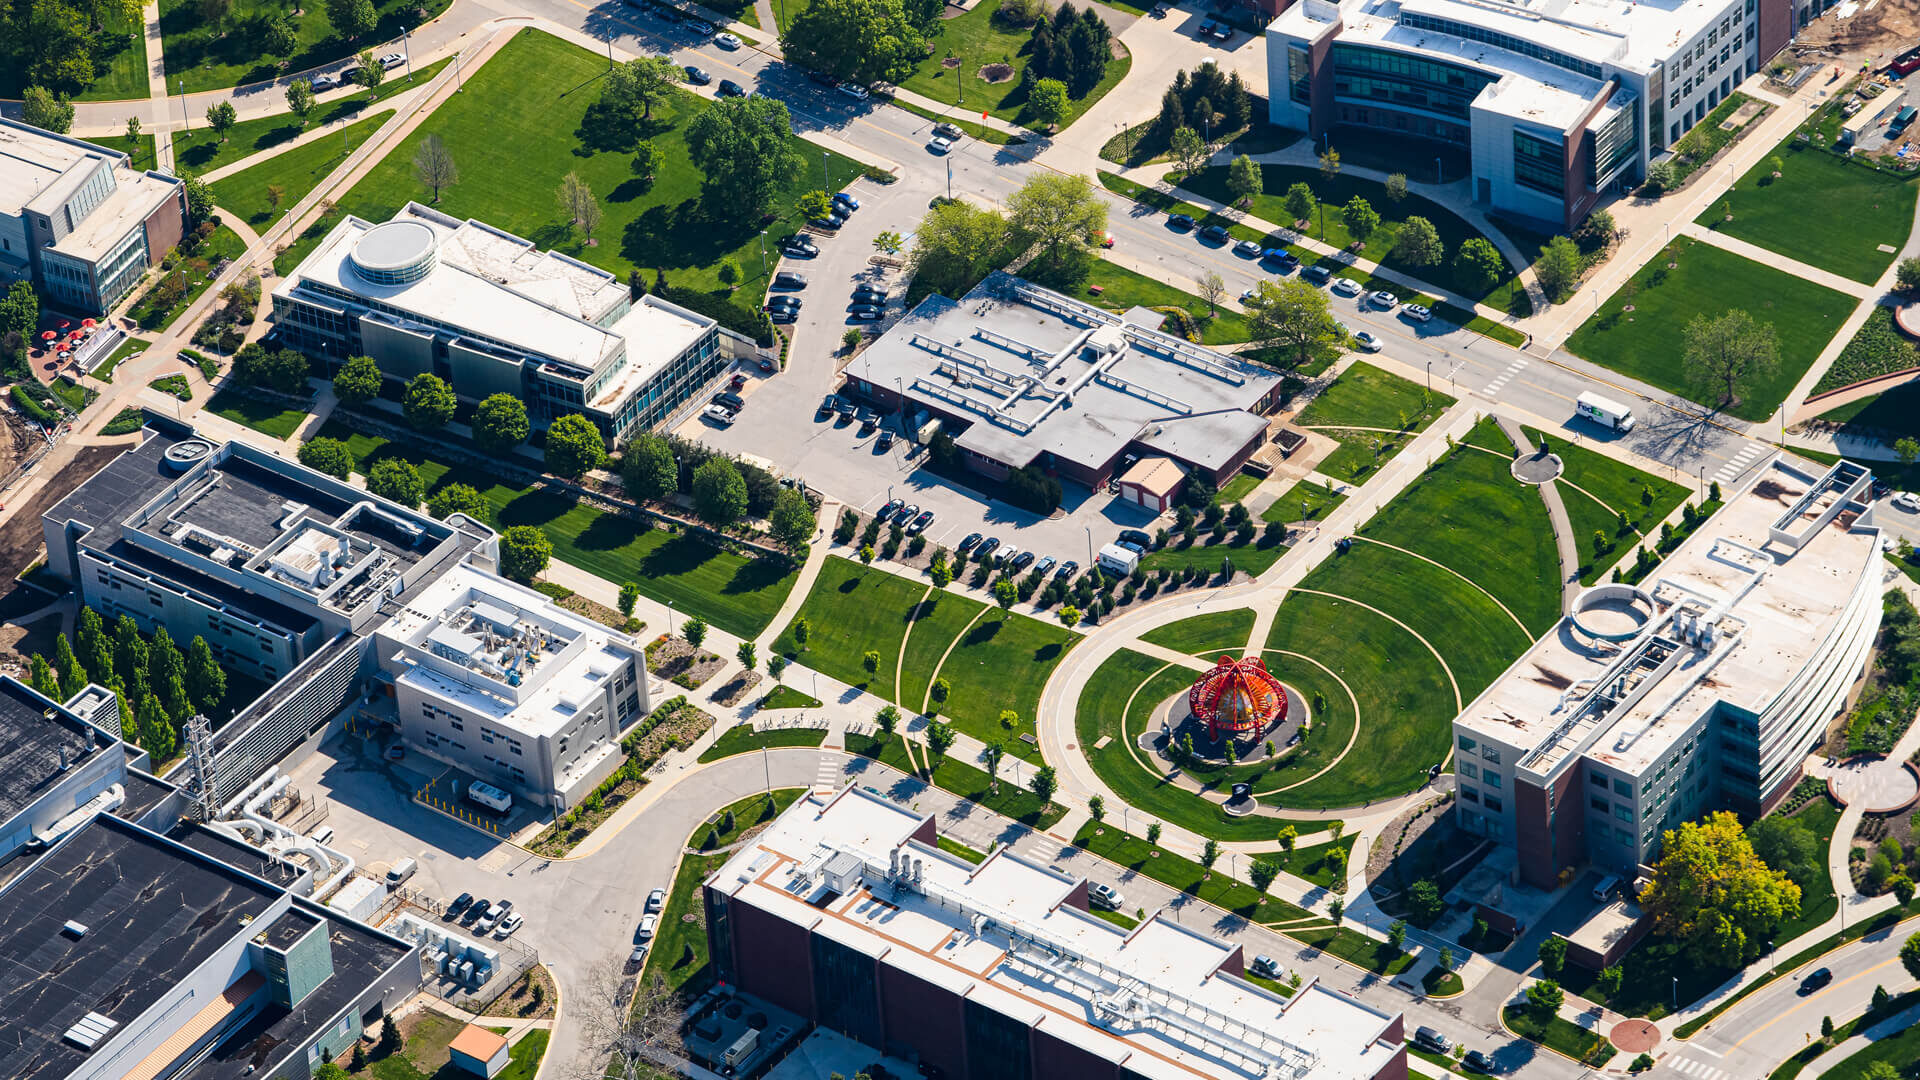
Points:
[1312,863]
[198,270]
[125,349]
[977,38]
[1253,557]
[742,739]
[296,172]
[736,594]
[1900,1050]
[516,131]
[1878,348]
[209,56]
[523,1061]
[1304,501]
[1002,662]
[853,609]
[1618,488]
[1121,288]
[1365,397]
[1011,800]
[1236,489]
[1895,413]
[199,152]
[119,65]
[937,622]
[679,951]
[1559,1033]
[1204,634]
[1711,137]
[955,847]
[786,697]
[1825,210]
[1645,343]
[1506,294]
[270,417]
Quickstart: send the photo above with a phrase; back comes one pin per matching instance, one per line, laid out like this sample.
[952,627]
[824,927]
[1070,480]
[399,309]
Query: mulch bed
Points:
[679,661]
[737,688]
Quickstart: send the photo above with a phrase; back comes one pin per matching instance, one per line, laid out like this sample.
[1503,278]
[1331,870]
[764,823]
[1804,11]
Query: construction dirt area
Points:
[1856,32]
[21,539]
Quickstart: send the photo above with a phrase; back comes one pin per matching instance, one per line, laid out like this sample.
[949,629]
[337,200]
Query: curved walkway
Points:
[1450,570]
[1563,539]
[1458,702]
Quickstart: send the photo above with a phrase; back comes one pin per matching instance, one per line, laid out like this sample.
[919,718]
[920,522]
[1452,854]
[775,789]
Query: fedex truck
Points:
[1606,412]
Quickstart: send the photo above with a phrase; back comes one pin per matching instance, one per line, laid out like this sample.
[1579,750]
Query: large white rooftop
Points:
[1770,605]
[1161,999]
[40,170]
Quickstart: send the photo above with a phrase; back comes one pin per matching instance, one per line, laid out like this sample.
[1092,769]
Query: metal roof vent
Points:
[90,1029]
[77,929]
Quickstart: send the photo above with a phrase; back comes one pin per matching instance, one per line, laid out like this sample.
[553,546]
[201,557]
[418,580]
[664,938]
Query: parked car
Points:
[967,542]
[729,88]
[1102,895]
[789,279]
[1346,287]
[1907,501]
[1205,28]
[701,27]
[1815,980]
[784,315]
[1366,341]
[866,314]
[884,444]
[726,41]
[885,513]
[1431,1040]
[1247,249]
[325,82]
[845,410]
[1136,537]
[905,514]
[829,224]
[855,91]
[1383,299]
[720,414]
[1317,275]
[1067,570]
[781,303]
[948,131]
[474,911]
[1044,565]
[1266,967]
[1022,561]
[986,548]
[799,247]
[656,900]
[460,903]
[730,400]
[739,380]
[827,405]
[392,60]
[921,520]
[871,294]
[1179,221]
[508,925]
[698,76]
[939,144]
[841,198]
[648,924]
[823,78]
[1005,554]
[1215,234]
[1280,257]
[1477,1061]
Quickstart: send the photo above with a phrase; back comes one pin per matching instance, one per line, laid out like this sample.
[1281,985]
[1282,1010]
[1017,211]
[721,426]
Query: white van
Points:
[490,797]
[1119,560]
[1606,412]
[321,835]
[401,871]
[1604,891]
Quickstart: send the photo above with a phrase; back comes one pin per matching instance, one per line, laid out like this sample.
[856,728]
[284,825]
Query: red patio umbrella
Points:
[64,324]
[87,324]
[48,335]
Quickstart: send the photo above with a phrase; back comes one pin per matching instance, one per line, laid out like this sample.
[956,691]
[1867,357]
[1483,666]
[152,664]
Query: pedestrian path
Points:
[1492,389]
[1769,257]
[1740,462]
[1687,1065]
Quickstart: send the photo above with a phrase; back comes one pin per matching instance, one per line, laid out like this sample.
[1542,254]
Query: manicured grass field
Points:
[210,56]
[199,152]
[1253,558]
[736,594]
[977,38]
[1619,488]
[1559,1033]
[1406,702]
[198,271]
[1304,501]
[1448,515]
[1896,412]
[297,172]
[516,131]
[1646,342]
[964,780]
[1002,662]
[1506,294]
[851,610]
[1204,634]
[1121,288]
[1824,210]
[273,418]
[937,621]
[125,349]
[1312,863]
[742,739]
[1236,489]
[1365,397]
[679,952]
[786,697]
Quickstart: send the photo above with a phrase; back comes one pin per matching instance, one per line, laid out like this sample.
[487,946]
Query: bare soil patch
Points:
[737,688]
[21,540]
[994,73]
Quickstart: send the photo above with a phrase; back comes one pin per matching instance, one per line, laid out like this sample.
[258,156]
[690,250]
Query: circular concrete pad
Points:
[1635,1036]
[1537,468]
[1880,785]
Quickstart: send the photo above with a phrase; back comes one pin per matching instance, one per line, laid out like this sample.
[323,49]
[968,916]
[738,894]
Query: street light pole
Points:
[1439,172]
[406,43]
[669,618]
[763,253]
[185,120]
[1089,529]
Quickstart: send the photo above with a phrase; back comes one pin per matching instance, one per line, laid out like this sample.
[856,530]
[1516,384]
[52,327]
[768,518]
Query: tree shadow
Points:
[983,633]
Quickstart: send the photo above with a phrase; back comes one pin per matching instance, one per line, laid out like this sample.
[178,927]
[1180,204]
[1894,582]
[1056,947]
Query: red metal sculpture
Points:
[1239,698]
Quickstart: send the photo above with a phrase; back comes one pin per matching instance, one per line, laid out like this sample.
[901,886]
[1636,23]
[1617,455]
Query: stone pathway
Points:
[1563,539]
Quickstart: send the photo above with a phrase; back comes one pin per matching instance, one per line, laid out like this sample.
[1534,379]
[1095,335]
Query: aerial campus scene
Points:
[1006,540]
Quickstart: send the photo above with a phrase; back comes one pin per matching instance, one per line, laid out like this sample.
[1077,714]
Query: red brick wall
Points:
[919,1014]
[1776,27]
[1055,1058]
[1548,834]
[1395,1068]
[781,967]
[165,226]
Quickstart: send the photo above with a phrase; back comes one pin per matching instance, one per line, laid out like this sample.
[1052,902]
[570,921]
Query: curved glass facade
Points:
[398,275]
[1363,74]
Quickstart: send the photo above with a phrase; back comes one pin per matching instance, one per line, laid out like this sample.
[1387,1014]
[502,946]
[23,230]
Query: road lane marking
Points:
[1810,1000]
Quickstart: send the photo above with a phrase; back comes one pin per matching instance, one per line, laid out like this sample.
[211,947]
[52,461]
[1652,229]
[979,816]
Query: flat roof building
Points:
[491,313]
[1558,102]
[1703,688]
[846,912]
[1022,376]
[78,220]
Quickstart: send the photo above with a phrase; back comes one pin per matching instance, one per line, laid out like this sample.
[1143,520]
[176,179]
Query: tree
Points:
[1362,218]
[368,71]
[1397,933]
[429,402]
[1729,353]
[433,165]
[1910,955]
[1263,872]
[73,677]
[719,492]
[1558,268]
[860,41]
[1096,808]
[1553,954]
[1479,263]
[1424,900]
[578,203]
[748,656]
[1906,449]
[390,1041]
[648,469]
[694,630]
[802,630]
[1329,164]
[1397,188]
[1908,276]
[221,118]
[300,100]
[632,90]
[524,553]
[941,690]
[888,718]
[1789,847]
[1711,892]
[1418,243]
[1189,151]
[357,382]
[500,424]
[133,131]
[1826,1027]
[43,679]
[1213,289]
[1598,230]
[398,480]
[199,200]
[351,18]
[1061,214]
[1609,979]
[1336,910]
[1070,615]
[1005,592]
[1044,783]
[43,110]
[941,572]
[744,148]
[1293,317]
[1153,833]
[940,736]
[1048,101]
[1288,836]
[156,728]
[955,245]
[575,446]
[776,666]
[814,205]
[326,455]
[1244,178]
[791,520]
[1173,114]
[889,242]
[19,310]
[1545,998]
[94,647]
[1300,202]
[646,160]
[457,499]
[1901,886]
[1880,1070]
[1210,854]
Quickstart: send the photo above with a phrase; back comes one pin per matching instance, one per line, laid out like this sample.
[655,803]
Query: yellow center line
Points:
[1811,1000]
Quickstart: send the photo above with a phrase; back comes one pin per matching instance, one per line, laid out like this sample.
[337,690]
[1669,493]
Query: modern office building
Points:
[1558,102]
[1702,688]
[78,220]
[329,594]
[1021,376]
[491,313]
[846,912]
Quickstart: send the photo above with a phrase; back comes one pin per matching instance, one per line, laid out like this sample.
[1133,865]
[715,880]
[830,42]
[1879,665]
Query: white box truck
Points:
[1606,412]
[1118,560]
[490,797]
